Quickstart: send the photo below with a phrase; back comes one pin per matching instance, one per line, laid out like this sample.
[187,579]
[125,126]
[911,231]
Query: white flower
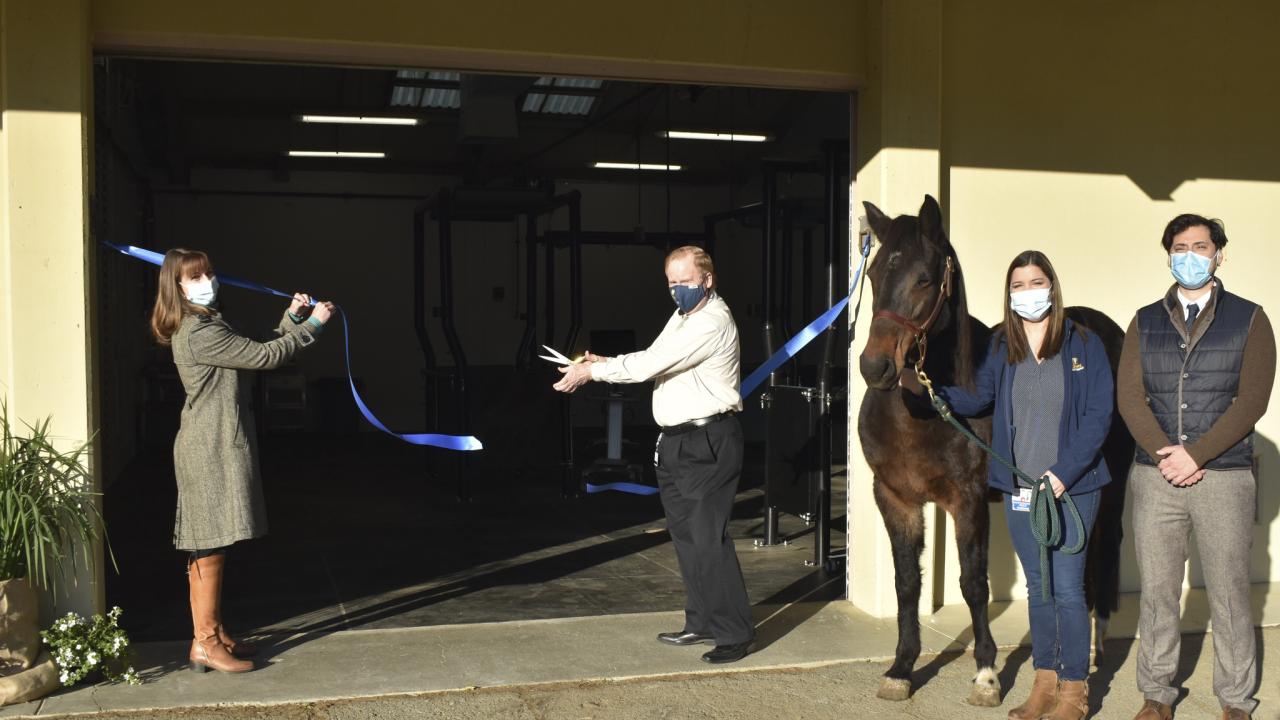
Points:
[91,658]
[64,677]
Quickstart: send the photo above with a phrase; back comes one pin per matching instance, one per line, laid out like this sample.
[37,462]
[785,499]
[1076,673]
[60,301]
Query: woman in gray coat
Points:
[215,455]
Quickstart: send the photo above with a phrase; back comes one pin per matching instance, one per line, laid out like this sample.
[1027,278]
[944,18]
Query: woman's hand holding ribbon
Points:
[322,311]
[301,303]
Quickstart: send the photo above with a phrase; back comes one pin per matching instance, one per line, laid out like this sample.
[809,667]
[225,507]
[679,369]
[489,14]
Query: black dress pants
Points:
[698,474]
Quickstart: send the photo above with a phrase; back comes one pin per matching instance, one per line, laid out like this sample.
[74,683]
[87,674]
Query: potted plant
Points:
[47,513]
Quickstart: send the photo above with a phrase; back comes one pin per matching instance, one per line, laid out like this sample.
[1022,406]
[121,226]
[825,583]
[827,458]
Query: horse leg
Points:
[972,539]
[1104,560]
[905,523]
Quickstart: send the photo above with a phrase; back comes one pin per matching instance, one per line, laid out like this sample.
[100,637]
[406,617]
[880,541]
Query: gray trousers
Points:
[1220,509]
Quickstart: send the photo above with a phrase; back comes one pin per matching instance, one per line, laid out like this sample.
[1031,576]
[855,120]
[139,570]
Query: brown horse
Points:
[919,295]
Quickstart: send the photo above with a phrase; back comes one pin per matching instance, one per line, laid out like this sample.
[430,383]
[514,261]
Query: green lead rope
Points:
[1045,526]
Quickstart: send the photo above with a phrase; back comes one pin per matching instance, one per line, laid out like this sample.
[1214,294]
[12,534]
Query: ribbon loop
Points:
[447,442]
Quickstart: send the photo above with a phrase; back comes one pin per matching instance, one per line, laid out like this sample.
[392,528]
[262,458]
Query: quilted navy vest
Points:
[1191,381]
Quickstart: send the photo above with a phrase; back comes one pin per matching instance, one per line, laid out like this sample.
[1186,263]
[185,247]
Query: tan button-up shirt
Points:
[694,364]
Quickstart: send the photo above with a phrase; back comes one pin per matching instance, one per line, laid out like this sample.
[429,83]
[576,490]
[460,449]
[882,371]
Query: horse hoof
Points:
[894,689]
[986,689]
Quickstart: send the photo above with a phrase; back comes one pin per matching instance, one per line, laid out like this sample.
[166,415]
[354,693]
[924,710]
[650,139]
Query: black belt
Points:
[685,427]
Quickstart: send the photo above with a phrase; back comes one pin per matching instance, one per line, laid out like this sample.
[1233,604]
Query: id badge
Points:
[656,445]
[1022,500]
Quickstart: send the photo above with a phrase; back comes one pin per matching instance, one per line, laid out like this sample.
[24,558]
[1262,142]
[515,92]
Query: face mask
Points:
[1190,270]
[687,298]
[203,293]
[1030,304]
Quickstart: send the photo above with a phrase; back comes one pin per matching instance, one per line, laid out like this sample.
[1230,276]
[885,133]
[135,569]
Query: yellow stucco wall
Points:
[811,43]
[45,347]
[1080,130]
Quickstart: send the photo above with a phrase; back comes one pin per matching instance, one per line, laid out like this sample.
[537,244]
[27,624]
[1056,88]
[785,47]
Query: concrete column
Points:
[899,129]
[46,260]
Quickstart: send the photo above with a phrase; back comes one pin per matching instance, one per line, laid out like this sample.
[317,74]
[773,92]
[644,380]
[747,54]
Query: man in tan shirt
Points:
[694,366]
[1195,376]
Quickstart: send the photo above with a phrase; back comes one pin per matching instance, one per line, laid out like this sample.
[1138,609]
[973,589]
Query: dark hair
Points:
[1217,233]
[1015,337]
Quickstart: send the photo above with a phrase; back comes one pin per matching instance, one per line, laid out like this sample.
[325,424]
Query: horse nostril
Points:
[877,370]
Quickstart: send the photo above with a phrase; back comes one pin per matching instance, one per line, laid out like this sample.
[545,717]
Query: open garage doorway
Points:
[461,221]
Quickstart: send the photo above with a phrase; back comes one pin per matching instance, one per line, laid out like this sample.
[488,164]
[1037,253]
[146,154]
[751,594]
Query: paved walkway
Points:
[816,660]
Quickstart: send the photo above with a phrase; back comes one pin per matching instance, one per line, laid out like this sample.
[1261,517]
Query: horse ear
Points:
[931,218]
[878,221]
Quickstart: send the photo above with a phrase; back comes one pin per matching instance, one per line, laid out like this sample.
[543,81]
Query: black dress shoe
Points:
[729,653]
[685,637]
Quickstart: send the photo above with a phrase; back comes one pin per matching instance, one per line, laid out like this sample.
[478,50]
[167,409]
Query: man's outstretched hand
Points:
[575,376]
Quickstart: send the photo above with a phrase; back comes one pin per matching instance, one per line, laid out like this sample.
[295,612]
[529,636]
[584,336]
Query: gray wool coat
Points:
[215,456]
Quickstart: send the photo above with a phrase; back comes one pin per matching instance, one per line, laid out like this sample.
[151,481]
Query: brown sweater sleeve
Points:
[1257,373]
[1131,396]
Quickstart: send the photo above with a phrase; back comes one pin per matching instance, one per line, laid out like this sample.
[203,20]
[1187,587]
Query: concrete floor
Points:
[815,660]
[362,538]
[377,594]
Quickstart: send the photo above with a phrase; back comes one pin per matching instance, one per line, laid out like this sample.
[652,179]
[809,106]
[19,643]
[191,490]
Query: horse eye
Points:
[924,280]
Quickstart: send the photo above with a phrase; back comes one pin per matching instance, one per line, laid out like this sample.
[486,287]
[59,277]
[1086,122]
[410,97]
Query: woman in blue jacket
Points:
[1049,384]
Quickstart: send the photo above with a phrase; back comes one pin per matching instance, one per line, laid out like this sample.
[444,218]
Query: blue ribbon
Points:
[753,381]
[626,487]
[805,336]
[448,442]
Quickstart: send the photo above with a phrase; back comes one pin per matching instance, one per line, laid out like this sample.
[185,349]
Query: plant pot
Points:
[19,625]
[25,672]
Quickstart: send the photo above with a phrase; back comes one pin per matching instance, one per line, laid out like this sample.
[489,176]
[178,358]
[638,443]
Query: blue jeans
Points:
[1060,632]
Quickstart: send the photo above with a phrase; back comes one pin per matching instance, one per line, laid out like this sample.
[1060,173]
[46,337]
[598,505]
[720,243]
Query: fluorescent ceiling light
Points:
[358,120]
[335,154]
[726,137]
[635,166]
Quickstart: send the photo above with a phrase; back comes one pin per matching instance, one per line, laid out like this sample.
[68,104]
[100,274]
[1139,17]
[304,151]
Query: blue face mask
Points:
[1031,304]
[1190,269]
[687,297]
[203,293]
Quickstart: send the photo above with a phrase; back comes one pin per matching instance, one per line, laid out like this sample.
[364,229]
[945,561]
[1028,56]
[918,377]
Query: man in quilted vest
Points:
[1195,376]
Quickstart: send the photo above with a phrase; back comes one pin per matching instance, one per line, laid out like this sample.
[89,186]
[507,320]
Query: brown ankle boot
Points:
[204,576]
[1044,692]
[1073,701]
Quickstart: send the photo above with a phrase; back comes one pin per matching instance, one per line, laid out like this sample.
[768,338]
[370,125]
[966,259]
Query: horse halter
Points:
[921,332]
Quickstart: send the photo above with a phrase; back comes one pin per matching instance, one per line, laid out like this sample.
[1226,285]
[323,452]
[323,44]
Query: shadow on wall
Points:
[1266,455]
[1161,117]
[1003,567]
[1002,561]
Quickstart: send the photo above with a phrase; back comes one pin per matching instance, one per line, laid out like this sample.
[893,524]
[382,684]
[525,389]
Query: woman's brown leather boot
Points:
[236,647]
[204,575]
[1044,693]
[1073,701]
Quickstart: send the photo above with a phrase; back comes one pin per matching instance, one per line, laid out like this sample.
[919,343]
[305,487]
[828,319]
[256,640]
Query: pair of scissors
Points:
[557,357]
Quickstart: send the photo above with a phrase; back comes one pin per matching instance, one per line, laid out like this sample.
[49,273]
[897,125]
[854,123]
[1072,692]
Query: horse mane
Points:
[962,326]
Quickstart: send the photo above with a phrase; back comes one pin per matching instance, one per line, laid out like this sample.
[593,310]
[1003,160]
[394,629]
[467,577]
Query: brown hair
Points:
[171,302]
[700,259]
[1015,337]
